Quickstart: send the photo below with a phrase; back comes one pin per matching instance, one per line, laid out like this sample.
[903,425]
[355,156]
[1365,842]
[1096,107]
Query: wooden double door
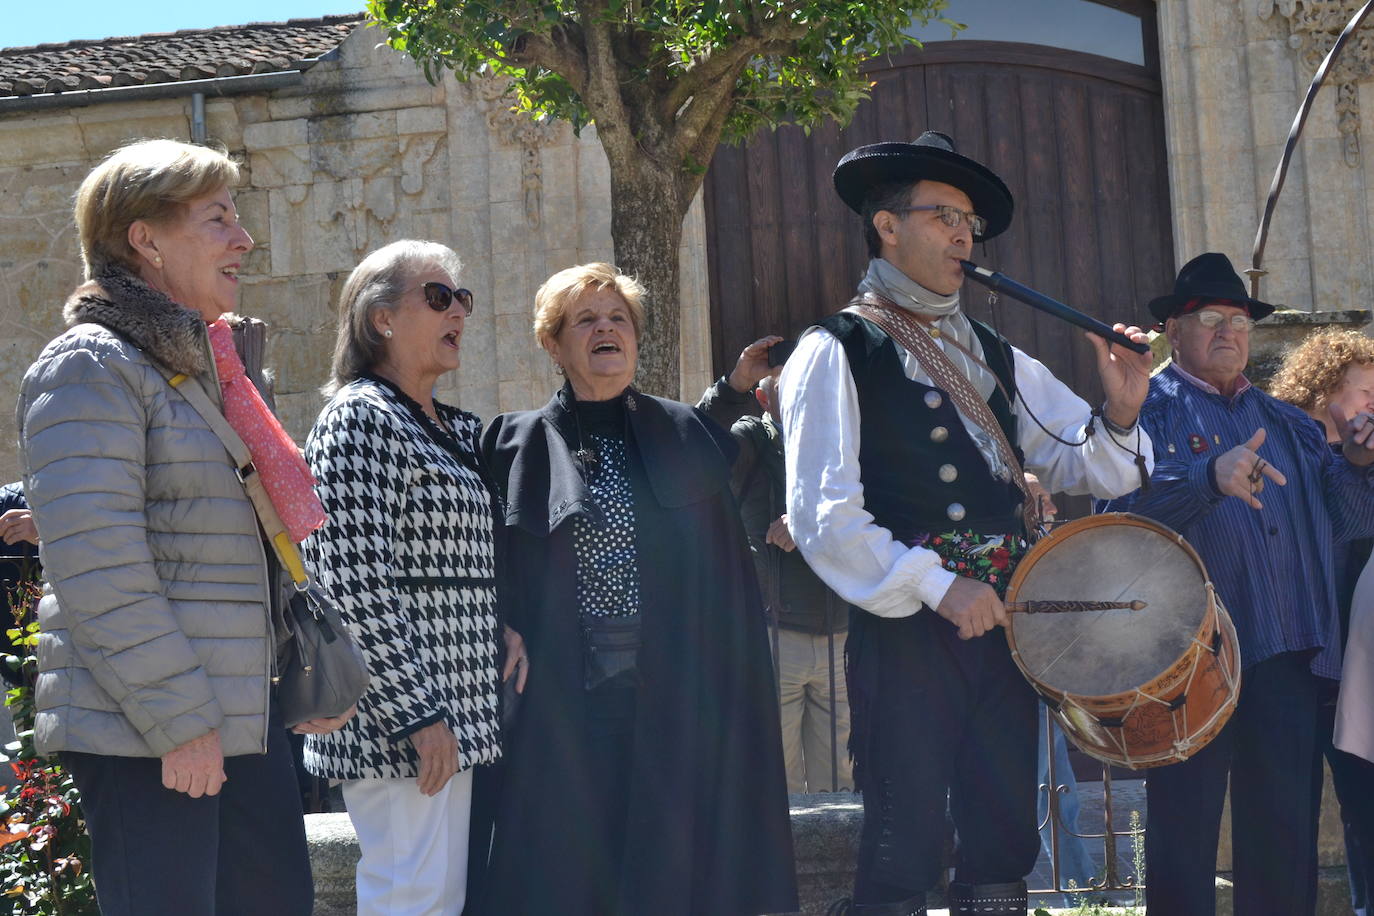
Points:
[1078,138]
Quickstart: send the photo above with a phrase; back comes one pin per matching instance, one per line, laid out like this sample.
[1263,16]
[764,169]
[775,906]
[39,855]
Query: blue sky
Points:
[104,19]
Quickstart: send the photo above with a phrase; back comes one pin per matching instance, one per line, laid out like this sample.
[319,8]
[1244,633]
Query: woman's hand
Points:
[196,767]
[517,662]
[324,726]
[438,751]
[17,525]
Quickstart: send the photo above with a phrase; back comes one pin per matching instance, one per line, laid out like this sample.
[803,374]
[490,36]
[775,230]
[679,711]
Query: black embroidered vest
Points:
[921,470]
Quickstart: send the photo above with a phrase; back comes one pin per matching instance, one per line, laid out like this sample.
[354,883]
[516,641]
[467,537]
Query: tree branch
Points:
[632,48]
[602,92]
[561,51]
[773,37]
[702,146]
[704,116]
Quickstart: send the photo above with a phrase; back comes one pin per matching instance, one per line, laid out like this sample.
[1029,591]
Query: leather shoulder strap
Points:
[248,475]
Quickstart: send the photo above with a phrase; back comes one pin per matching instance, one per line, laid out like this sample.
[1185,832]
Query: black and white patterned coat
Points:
[408,555]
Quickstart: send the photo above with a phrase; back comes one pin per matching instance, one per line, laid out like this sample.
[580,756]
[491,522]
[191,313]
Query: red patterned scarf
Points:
[284,473]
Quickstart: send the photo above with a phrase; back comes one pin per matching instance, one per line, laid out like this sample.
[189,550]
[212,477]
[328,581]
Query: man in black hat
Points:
[1252,484]
[906,434]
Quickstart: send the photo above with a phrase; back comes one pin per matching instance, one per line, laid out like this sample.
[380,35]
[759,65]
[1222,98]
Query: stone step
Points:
[825,830]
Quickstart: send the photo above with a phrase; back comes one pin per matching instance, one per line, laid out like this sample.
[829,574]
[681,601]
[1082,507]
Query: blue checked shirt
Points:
[1272,567]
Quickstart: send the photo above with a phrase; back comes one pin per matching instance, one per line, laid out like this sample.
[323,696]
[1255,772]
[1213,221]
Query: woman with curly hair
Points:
[1330,375]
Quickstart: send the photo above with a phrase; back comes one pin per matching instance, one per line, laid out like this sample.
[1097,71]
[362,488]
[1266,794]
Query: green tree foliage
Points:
[664,81]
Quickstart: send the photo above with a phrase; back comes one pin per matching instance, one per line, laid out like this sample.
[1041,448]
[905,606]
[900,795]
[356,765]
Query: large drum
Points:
[1137,688]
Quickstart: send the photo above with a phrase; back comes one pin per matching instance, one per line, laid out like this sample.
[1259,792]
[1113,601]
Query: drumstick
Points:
[1072,607]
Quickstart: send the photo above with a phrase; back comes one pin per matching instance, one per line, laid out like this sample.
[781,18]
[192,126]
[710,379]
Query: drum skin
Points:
[1133,688]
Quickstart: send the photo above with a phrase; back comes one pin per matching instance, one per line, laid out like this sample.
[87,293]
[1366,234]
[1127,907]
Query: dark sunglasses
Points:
[440,297]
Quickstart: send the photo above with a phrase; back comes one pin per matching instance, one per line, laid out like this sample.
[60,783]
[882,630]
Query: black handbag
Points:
[324,672]
[610,650]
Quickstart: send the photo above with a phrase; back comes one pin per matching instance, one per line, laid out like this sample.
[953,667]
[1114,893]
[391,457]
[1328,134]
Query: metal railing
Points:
[1110,877]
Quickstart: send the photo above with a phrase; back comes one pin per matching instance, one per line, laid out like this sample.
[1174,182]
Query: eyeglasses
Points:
[952,217]
[439,297]
[1211,319]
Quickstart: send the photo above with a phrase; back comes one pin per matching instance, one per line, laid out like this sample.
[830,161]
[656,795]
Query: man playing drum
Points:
[1252,485]
[905,428]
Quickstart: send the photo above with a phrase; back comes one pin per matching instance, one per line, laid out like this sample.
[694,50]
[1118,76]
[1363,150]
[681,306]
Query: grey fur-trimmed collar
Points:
[169,333]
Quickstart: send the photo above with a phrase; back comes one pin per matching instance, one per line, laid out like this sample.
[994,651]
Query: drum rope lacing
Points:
[1107,732]
[1183,743]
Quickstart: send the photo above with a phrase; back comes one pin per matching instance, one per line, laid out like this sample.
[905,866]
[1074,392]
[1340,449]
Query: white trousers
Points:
[414,847]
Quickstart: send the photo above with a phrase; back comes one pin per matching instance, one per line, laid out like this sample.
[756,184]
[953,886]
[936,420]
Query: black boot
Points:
[1007,899]
[914,906]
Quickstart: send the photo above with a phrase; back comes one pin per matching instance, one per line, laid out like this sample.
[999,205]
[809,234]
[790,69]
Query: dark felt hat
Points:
[931,157]
[1210,277]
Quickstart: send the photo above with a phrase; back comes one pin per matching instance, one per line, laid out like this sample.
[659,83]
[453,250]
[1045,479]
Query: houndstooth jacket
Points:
[408,555]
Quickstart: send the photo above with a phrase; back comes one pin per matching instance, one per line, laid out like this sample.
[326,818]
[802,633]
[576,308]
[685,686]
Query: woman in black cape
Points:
[643,771]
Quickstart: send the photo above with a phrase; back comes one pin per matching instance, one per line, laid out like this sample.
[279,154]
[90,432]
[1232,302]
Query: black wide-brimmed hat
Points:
[1209,277]
[931,157]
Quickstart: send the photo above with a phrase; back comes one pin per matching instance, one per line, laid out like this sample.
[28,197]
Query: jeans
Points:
[1075,862]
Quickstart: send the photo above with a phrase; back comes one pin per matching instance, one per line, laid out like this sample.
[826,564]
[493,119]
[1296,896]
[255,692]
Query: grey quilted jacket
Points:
[156,622]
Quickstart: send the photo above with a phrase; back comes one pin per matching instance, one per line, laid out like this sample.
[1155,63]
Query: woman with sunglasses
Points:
[408,555]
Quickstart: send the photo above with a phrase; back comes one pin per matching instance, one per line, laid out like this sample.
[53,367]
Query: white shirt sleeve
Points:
[1104,466]
[840,540]
[858,559]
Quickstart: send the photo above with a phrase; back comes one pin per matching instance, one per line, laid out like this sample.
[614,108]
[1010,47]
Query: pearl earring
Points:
[558,368]
[157,259]
[387,333]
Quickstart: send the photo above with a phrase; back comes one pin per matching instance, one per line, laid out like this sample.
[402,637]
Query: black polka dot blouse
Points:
[607,563]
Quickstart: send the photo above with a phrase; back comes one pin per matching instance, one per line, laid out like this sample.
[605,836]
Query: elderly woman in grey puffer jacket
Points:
[158,632]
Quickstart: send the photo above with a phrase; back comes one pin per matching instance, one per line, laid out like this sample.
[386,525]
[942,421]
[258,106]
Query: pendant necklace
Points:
[585,454]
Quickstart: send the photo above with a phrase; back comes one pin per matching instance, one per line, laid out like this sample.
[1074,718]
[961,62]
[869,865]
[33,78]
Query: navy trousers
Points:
[1271,751]
[966,737]
[156,852]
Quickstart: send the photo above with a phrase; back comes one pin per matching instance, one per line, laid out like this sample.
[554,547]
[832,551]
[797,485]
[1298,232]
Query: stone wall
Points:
[1234,74]
[364,152]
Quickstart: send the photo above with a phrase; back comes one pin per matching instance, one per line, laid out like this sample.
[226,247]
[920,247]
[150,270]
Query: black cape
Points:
[708,828]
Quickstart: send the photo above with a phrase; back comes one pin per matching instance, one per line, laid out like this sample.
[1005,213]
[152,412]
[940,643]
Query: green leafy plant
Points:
[664,81]
[43,843]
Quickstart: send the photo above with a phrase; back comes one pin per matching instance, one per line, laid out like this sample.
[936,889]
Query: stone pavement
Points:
[825,830]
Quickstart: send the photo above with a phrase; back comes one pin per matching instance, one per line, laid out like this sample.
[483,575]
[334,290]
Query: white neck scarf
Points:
[884,279]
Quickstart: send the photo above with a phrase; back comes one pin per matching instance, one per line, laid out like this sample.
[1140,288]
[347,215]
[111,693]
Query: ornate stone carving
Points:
[416,152]
[516,128]
[1314,26]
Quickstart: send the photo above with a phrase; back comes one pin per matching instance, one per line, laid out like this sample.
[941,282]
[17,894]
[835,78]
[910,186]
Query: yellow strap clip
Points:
[291,558]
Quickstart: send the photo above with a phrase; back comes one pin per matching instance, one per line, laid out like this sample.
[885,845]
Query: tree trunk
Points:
[646,227]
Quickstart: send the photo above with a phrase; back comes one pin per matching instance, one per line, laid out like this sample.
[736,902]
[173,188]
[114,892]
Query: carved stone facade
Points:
[363,153]
[1235,72]
[1314,26]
